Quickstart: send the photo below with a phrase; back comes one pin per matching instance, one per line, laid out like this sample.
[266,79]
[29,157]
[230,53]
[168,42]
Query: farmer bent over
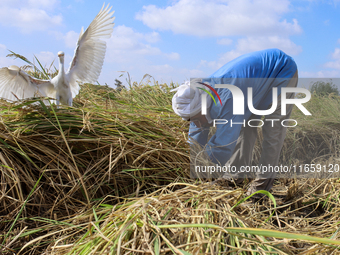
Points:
[235,136]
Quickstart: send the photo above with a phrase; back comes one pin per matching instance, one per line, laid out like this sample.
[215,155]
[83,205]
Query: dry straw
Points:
[111,176]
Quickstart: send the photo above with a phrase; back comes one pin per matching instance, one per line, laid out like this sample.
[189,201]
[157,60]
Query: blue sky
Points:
[177,40]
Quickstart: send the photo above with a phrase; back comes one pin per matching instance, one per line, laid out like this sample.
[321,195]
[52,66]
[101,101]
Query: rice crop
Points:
[111,176]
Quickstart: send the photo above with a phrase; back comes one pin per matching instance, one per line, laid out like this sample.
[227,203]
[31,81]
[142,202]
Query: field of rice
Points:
[111,176]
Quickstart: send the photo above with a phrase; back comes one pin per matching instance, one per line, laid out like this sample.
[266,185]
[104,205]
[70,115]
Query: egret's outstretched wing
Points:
[90,52]
[17,84]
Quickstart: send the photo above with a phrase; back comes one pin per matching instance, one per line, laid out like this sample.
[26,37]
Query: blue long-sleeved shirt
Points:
[261,70]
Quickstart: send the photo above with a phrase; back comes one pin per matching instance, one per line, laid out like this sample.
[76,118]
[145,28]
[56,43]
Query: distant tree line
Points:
[321,88]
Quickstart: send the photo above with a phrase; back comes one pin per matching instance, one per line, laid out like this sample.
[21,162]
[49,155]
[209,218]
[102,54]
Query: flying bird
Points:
[85,67]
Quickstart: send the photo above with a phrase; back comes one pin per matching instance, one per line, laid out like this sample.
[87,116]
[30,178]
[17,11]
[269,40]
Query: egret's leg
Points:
[70,100]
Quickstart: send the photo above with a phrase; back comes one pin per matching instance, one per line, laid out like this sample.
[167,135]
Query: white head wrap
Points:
[187,101]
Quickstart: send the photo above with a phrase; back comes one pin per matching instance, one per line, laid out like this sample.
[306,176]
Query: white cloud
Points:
[258,25]
[221,18]
[336,63]
[125,39]
[29,15]
[249,44]
[71,39]
[138,54]
[264,42]
[40,4]
[49,4]
[333,65]
[224,41]
[126,46]
[172,56]
[151,37]
[336,53]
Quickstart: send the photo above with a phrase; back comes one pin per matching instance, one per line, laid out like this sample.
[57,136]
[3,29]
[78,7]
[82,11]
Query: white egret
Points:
[86,66]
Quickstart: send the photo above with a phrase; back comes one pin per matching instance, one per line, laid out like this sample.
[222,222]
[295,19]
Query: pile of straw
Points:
[112,175]
[202,219]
